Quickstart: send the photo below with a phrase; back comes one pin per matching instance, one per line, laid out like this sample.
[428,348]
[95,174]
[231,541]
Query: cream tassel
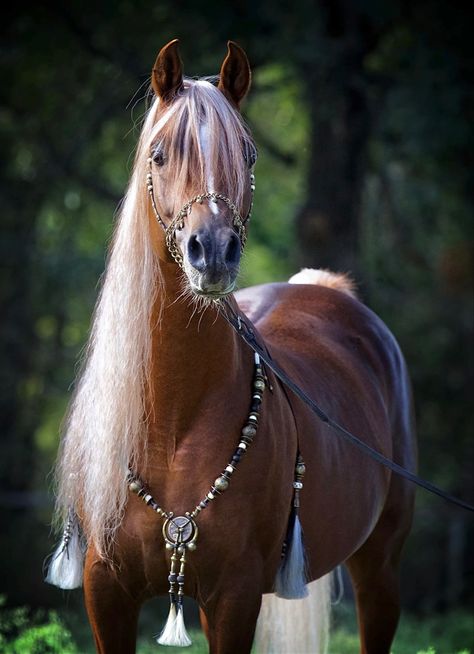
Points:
[174,632]
[65,568]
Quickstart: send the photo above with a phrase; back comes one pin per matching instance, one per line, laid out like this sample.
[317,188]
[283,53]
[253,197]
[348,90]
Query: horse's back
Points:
[348,361]
[330,331]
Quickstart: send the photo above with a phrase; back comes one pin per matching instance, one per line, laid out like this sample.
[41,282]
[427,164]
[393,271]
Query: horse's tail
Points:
[339,281]
[295,626]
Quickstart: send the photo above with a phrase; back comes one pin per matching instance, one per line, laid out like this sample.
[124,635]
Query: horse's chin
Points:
[216,288]
[212,293]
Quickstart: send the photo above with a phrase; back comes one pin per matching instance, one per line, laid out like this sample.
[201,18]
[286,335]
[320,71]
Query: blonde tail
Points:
[297,626]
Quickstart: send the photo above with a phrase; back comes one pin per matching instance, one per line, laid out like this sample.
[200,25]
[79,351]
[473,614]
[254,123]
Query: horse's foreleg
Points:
[230,624]
[204,623]
[112,613]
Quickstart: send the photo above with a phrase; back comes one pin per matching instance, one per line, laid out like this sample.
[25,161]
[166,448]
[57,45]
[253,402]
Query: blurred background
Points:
[363,117]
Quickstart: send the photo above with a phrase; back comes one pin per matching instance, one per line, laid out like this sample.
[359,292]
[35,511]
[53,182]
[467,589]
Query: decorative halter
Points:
[178,221]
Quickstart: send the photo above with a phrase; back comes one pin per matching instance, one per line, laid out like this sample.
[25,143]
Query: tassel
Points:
[290,582]
[168,630]
[174,632]
[66,565]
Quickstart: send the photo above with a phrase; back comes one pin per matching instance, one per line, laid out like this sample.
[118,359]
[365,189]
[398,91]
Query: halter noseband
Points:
[178,221]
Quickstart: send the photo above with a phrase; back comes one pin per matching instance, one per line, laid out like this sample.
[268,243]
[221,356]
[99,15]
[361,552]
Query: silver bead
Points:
[249,431]
[169,546]
[192,546]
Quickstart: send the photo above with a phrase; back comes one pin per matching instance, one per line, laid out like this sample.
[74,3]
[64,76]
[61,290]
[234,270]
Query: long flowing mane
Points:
[105,428]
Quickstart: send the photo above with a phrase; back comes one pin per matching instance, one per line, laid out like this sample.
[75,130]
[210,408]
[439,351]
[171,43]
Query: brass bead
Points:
[300,469]
[221,484]
[135,486]
[192,546]
[259,385]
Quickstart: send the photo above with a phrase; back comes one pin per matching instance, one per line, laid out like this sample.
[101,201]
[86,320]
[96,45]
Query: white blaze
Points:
[204,138]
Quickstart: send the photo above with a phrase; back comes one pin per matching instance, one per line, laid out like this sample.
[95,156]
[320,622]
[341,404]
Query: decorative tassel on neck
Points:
[65,568]
[290,582]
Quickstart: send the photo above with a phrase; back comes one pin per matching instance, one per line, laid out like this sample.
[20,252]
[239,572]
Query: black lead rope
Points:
[246,332]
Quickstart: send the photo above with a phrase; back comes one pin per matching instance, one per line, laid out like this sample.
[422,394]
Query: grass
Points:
[451,633]
[26,632]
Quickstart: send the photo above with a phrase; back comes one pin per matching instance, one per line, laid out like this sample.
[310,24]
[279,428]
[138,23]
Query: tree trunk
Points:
[340,125]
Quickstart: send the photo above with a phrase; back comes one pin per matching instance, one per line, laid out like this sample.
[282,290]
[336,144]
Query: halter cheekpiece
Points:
[178,221]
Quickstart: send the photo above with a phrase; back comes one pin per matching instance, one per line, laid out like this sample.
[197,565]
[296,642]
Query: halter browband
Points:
[178,221]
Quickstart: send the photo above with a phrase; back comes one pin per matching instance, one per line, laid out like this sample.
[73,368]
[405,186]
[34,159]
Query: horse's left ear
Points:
[235,75]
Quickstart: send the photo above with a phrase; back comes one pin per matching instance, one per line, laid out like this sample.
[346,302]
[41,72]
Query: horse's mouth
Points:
[213,294]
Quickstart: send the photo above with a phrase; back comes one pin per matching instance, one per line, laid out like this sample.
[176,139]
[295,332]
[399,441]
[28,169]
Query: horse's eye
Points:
[250,154]
[158,156]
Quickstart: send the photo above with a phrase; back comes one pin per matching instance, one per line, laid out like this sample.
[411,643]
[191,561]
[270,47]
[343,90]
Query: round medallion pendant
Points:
[180,530]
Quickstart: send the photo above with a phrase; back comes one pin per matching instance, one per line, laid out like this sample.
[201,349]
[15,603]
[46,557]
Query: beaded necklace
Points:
[180,532]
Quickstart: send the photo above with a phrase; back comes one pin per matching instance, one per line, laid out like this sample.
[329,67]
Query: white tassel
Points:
[174,632]
[290,582]
[66,565]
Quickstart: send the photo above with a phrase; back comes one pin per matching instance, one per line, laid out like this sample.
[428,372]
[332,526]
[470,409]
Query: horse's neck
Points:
[196,359]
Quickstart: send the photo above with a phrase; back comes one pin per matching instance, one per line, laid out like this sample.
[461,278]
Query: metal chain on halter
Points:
[178,221]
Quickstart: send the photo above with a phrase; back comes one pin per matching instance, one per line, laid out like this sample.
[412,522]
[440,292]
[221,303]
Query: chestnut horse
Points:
[166,407]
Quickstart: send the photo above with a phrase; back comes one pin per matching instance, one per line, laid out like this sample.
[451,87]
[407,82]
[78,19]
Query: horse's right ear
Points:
[167,73]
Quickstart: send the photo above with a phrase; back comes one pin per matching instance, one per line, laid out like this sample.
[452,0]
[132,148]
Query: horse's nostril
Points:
[195,252]
[233,249]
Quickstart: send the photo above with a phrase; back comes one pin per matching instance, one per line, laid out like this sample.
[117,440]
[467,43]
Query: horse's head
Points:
[200,174]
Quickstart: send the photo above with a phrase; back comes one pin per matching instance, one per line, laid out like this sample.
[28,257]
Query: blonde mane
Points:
[106,425]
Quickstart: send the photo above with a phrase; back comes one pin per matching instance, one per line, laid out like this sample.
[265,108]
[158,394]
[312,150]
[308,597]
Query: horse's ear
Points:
[167,73]
[235,75]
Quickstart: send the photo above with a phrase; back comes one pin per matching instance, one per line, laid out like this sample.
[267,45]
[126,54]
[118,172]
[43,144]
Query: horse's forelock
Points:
[178,129]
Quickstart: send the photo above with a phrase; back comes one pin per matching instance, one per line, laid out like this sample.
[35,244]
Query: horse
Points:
[185,466]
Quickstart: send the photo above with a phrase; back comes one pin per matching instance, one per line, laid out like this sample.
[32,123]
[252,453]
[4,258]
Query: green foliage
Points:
[24,632]
[199,645]
[439,634]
